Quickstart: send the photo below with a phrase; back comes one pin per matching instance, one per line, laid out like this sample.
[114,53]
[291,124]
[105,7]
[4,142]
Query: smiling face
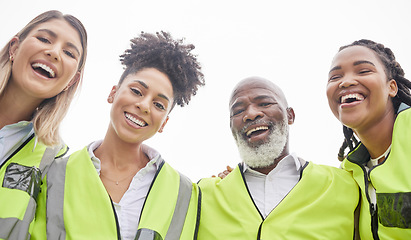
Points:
[259,117]
[140,105]
[358,91]
[46,61]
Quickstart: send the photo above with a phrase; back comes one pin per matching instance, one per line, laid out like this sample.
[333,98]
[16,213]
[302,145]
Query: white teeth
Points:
[249,132]
[45,68]
[356,96]
[135,120]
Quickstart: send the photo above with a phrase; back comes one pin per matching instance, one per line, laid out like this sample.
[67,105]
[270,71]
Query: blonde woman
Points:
[40,70]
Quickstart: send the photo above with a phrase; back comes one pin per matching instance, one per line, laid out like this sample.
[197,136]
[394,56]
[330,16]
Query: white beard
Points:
[264,154]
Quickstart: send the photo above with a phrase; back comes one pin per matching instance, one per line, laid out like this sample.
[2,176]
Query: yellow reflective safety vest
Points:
[390,216]
[320,206]
[79,207]
[21,180]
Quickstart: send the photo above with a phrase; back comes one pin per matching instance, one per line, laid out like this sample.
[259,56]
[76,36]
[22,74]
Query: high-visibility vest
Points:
[320,206]
[79,207]
[21,177]
[390,217]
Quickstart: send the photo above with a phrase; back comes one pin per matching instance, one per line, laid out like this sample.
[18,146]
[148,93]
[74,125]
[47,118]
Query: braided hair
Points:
[169,56]
[394,71]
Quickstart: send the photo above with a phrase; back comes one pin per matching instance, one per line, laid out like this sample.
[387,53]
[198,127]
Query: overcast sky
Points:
[291,43]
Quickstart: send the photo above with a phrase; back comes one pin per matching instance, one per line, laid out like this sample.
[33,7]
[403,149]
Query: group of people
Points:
[120,188]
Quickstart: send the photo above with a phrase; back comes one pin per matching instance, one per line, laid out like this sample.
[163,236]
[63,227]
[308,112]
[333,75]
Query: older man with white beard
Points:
[273,194]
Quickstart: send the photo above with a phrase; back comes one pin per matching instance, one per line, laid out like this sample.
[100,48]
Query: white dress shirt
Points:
[129,208]
[12,136]
[269,190]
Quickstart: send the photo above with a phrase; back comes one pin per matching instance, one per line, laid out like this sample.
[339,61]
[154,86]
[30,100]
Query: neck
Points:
[379,137]
[14,108]
[118,155]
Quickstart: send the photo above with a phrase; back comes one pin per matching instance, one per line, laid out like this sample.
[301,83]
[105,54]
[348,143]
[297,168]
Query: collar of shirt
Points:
[290,159]
[12,136]
[152,154]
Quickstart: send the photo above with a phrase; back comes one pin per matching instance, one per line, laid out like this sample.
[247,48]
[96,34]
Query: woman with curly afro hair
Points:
[118,187]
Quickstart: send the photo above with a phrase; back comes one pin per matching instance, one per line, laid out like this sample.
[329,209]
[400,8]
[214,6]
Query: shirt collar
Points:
[22,126]
[153,155]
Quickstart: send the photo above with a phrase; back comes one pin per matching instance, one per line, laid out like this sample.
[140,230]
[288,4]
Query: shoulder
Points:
[207,182]
[77,157]
[216,182]
[330,173]
[403,119]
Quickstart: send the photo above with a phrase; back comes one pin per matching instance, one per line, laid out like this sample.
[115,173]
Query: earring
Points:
[11,58]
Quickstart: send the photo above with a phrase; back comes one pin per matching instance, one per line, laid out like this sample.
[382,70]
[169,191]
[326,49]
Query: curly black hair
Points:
[171,57]
[394,71]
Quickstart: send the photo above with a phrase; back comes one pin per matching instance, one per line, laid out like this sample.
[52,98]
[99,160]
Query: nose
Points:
[347,81]
[143,105]
[252,114]
[53,53]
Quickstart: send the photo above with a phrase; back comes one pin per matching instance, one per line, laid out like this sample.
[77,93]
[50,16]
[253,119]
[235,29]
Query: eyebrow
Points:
[54,35]
[260,97]
[355,64]
[143,84]
[362,62]
[235,105]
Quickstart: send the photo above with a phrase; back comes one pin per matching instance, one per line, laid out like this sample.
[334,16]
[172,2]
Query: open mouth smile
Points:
[134,120]
[43,70]
[256,131]
[352,97]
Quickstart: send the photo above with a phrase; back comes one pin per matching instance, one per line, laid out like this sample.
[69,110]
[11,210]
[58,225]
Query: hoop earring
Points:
[11,58]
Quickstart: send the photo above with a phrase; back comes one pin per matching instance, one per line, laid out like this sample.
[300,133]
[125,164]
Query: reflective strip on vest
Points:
[55,199]
[147,234]
[180,211]
[18,229]
[48,158]
[14,228]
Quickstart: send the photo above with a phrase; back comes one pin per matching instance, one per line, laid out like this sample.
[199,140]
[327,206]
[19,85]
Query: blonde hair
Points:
[50,113]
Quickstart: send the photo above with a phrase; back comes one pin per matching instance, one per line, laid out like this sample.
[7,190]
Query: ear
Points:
[112,94]
[162,125]
[393,88]
[290,115]
[13,45]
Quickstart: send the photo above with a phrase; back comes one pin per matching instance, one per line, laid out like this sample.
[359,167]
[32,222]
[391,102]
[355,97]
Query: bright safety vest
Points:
[21,180]
[79,207]
[320,206]
[390,217]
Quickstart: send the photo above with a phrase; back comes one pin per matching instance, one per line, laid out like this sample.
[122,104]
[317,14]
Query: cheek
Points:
[235,124]
[71,69]
[329,92]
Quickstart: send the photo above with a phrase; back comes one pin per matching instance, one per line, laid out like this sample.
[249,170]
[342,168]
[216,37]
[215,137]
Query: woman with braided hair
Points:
[118,187]
[368,93]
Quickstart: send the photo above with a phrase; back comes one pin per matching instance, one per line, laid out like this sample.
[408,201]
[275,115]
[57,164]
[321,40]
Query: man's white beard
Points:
[264,154]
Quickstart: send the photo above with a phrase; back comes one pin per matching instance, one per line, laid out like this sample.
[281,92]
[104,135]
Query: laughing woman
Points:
[118,187]
[368,93]
[40,71]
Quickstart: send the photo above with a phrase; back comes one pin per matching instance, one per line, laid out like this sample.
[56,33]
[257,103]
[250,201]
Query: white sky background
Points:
[291,43]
